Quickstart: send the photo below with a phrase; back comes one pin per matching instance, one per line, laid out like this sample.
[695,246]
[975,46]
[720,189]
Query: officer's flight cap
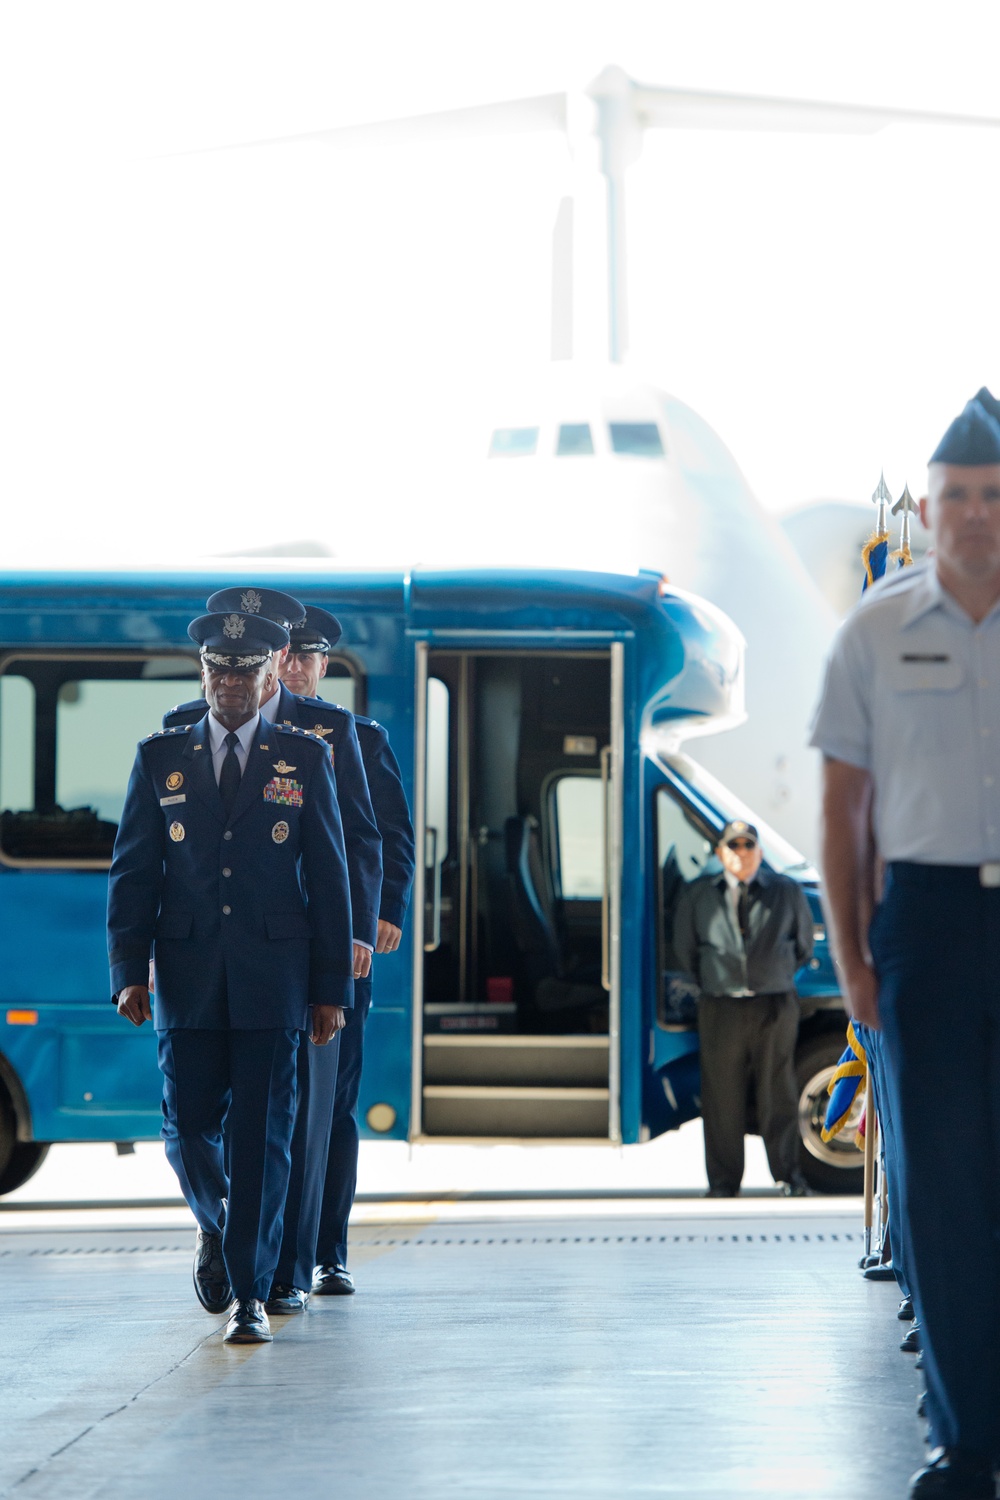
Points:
[237,641]
[319,631]
[270,604]
[972,439]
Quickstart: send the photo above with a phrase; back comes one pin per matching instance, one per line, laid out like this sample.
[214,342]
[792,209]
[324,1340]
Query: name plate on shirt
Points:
[284,791]
[170,801]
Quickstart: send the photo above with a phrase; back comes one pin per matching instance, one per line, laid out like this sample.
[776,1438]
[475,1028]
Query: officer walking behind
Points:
[909,722]
[229,868]
[335,1158]
[743,934]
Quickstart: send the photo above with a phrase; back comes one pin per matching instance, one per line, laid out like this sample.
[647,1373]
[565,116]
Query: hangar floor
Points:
[542,1349]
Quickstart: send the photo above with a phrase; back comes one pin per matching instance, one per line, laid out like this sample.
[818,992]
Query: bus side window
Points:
[577,838]
[683,853]
[343,684]
[69,727]
[17,743]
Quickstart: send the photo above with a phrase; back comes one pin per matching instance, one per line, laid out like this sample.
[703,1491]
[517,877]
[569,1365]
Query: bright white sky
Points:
[204,352]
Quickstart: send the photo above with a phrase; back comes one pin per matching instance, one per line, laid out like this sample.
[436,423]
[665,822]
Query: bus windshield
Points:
[778,852]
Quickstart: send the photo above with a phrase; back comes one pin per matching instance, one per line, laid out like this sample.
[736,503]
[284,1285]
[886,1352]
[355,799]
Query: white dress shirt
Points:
[217,740]
[912,696]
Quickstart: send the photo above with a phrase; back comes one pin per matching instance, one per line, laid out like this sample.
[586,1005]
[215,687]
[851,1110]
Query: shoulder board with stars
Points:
[162,734]
[323,703]
[303,734]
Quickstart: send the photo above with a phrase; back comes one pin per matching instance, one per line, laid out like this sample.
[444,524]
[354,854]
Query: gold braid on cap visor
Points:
[214,659]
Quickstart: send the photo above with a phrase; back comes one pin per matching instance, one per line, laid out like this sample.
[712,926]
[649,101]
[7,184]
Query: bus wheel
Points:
[19,1160]
[24,1162]
[832,1166]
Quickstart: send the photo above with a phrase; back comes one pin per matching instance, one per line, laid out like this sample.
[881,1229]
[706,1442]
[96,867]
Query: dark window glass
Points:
[574,438]
[513,442]
[640,439]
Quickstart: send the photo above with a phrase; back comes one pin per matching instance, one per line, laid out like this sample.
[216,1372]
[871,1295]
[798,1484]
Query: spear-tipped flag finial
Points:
[876,549]
[904,507]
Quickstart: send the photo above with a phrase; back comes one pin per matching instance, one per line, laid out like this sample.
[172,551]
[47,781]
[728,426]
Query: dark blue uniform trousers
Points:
[872,1042]
[317,1087]
[244,1080]
[342,1158]
[935,941]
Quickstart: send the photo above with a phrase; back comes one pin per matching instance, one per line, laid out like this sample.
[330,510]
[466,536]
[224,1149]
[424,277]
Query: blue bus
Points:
[538,719]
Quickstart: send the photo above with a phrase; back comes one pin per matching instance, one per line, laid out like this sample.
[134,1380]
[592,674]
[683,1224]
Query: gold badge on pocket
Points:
[174,781]
[279,832]
[177,832]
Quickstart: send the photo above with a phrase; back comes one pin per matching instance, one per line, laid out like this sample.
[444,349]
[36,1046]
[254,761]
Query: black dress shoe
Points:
[332,1281]
[286,1299]
[723,1193]
[954,1474]
[880,1271]
[211,1279]
[922,1405]
[906,1313]
[911,1343]
[248,1323]
[796,1187]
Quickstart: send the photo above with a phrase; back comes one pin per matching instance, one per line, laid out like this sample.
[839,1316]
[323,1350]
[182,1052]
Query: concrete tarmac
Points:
[554,1349]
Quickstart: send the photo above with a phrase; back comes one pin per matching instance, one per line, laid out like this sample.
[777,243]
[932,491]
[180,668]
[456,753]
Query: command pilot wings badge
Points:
[282,767]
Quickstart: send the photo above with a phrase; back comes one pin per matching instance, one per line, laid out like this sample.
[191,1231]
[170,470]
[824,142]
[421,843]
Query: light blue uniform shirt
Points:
[912,695]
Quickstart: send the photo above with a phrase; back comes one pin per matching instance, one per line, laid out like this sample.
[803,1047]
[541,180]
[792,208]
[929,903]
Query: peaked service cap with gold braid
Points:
[237,641]
[270,604]
[319,631]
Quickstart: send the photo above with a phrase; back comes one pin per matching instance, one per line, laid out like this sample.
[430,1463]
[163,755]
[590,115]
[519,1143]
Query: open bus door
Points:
[517,960]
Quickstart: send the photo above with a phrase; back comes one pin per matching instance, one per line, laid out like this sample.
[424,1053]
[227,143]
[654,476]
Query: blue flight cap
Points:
[270,603]
[319,631]
[972,439]
[240,642]
[988,402]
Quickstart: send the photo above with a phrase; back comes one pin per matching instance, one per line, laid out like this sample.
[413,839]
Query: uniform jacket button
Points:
[227,871]
[228,833]
[226,910]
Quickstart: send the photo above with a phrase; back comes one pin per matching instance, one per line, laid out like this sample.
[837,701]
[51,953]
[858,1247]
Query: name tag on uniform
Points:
[283,791]
[169,801]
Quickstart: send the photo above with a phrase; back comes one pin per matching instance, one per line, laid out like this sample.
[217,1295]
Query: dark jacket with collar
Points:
[709,946]
[248,918]
[362,839]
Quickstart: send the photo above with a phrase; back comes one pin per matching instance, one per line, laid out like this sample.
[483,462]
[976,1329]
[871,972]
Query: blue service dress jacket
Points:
[248,918]
[392,814]
[362,840]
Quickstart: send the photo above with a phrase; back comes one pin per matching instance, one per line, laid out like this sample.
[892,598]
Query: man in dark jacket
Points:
[743,934]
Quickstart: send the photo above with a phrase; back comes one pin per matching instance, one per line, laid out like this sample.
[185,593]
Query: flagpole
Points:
[870,1129]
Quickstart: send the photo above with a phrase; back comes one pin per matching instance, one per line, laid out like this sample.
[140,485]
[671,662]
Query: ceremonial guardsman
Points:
[362,839]
[229,869]
[303,668]
[909,725]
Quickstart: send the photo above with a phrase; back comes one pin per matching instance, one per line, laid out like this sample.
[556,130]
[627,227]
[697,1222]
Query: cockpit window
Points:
[640,439]
[574,438]
[513,442]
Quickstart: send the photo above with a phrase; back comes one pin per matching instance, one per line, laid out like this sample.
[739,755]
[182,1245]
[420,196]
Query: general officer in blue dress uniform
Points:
[362,838]
[331,1157]
[229,868]
[909,726]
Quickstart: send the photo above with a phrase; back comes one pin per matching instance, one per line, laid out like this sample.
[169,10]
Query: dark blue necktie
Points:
[743,911]
[229,776]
